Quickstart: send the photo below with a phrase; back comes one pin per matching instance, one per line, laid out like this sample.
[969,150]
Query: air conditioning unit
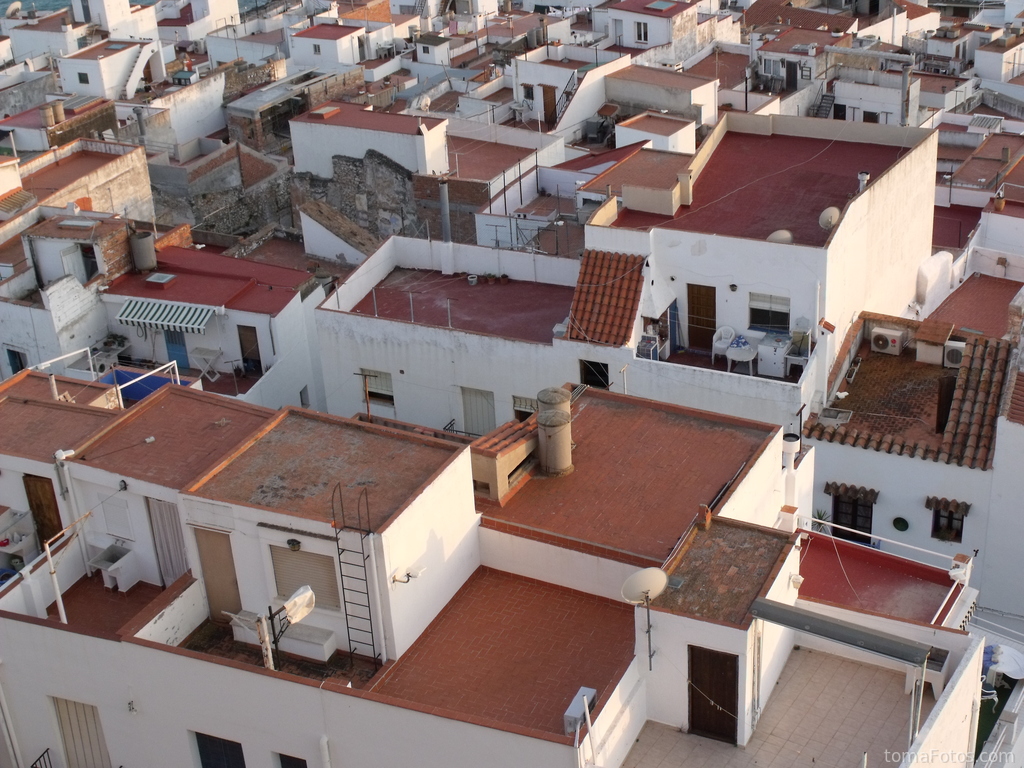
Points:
[887,340]
[953,354]
[104,361]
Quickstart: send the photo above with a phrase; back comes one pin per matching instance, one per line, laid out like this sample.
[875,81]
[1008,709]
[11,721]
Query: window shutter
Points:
[769,302]
[296,569]
[378,382]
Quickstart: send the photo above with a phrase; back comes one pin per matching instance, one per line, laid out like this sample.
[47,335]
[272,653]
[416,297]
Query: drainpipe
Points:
[64,475]
[12,740]
[905,94]
[325,751]
[446,213]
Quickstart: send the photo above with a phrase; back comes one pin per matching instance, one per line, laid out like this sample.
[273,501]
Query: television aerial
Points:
[639,589]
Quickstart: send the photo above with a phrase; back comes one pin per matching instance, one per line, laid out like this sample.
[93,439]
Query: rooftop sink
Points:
[109,557]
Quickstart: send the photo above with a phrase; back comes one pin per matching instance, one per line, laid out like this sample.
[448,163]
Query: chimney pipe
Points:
[1006,155]
[58,111]
[863,178]
[47,114]
[553,399]
[554,442]
[446,212]
[790,449]
[53,387]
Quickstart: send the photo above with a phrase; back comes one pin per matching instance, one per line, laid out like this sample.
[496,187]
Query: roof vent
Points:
[322,113]
[160,278]
[834,417]
[783,236]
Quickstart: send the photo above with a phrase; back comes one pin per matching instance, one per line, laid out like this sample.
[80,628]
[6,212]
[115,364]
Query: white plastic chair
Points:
[722,339]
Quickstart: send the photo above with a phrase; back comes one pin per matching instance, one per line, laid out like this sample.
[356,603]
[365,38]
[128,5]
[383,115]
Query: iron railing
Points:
[43,761]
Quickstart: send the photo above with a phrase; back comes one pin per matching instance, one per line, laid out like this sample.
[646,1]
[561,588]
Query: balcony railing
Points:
[43,761]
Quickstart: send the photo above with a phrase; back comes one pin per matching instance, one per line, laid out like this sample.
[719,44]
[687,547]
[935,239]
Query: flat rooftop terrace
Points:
[59,174]
[754,185]
[980,305]
[825,712]
[517,310]
[293,468]
[509,652]
[881,582]
[477,160]
[618,498]
[35,429]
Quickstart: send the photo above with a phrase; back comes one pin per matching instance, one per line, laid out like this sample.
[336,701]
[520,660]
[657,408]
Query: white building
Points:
[112,69]
[339,128]
[328,47]
[421,572]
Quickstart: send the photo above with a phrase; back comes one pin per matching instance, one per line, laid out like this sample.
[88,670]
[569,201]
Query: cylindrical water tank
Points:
[58,111]
[553,399]
[143,246]
[554,444]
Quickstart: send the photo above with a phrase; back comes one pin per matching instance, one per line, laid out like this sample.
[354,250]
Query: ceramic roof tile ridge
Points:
[506,436]
[606,299]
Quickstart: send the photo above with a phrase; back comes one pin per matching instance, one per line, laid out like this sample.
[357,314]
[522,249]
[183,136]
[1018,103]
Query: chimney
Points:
[1006,155]
[554,435]
[58,111]
[705,517]
[863,178]
[53,387]
[446,211]
[46,112]
[553,399]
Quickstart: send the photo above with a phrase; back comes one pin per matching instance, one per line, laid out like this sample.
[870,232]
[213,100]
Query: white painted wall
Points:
[316,144]
[437,532]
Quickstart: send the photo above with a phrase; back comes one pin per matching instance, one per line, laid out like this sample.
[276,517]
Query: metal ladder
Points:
[355,586]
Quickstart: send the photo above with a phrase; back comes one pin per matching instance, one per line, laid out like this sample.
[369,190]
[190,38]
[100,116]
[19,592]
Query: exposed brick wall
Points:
[216,160]
[465,198]
[180,236]
[84,126]
[240,76]
[115,253]
[254,168]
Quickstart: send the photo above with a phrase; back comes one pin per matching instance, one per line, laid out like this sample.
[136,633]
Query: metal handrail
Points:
[43,761]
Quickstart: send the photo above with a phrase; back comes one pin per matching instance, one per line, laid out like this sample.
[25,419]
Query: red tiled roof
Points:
[327,32]
[884,400]
[586,162]
[35,429]
[607,295]
[645,7]
[914,10]
[769,12]
[1015,403]
[506,436]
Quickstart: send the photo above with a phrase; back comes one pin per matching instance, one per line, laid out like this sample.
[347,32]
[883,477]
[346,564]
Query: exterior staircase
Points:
[824,108]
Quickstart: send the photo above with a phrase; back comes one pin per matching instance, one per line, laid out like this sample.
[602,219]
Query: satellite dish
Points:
[13,9]
[644,585]
[298,606]
[425,103]
[781,236]
[829,217]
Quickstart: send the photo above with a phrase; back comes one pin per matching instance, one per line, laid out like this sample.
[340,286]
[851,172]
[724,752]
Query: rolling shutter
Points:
[297,569]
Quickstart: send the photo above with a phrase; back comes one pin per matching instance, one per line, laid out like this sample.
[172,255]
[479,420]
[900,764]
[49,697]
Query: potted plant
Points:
[491,278]
[504,279]
[822,516]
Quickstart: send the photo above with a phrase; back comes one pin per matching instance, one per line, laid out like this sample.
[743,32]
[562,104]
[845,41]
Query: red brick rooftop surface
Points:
[643,6]
[215,281]
[35,429]
[511,652]
[596,160]
[107,48]
[52,23]
[651,168]
[1015,402]
[36,386]
[980,305]
[54,177]
[754,185]
[894,400]
[607,296]
[610,499]
[483,160]
[192,431]
[358,116]
[656,124]
[724,569]
[785,42]
[294,466]
[885,583]
[327,32]
[727,68]
[769,12]
[660,76]
[518,310]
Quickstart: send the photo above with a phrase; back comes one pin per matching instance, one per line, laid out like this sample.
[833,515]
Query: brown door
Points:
[248,340]
[43,503]
[700,302]
[550,114]
[218,573]
[714,695]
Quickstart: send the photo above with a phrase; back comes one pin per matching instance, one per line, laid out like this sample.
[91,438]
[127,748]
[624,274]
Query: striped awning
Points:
[187,318]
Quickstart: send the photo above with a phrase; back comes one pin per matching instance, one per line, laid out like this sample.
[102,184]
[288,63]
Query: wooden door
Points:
[714,694]
[550,105]
[43,503]
[252,363]
[791,76]
[219,577]
[701,319]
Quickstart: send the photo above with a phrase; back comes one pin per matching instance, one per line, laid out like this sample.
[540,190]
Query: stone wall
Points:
[27,94]
[374,192]
[85,126]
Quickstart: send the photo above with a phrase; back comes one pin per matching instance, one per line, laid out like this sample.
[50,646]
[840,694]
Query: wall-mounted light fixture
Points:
[732,287]
[826,326]
[294,545]
[412,573]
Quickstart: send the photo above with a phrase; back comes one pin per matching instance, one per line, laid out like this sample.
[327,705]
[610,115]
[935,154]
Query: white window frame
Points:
[379,385]
[328,601]
[641,31]
[316,49]
[770,303]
